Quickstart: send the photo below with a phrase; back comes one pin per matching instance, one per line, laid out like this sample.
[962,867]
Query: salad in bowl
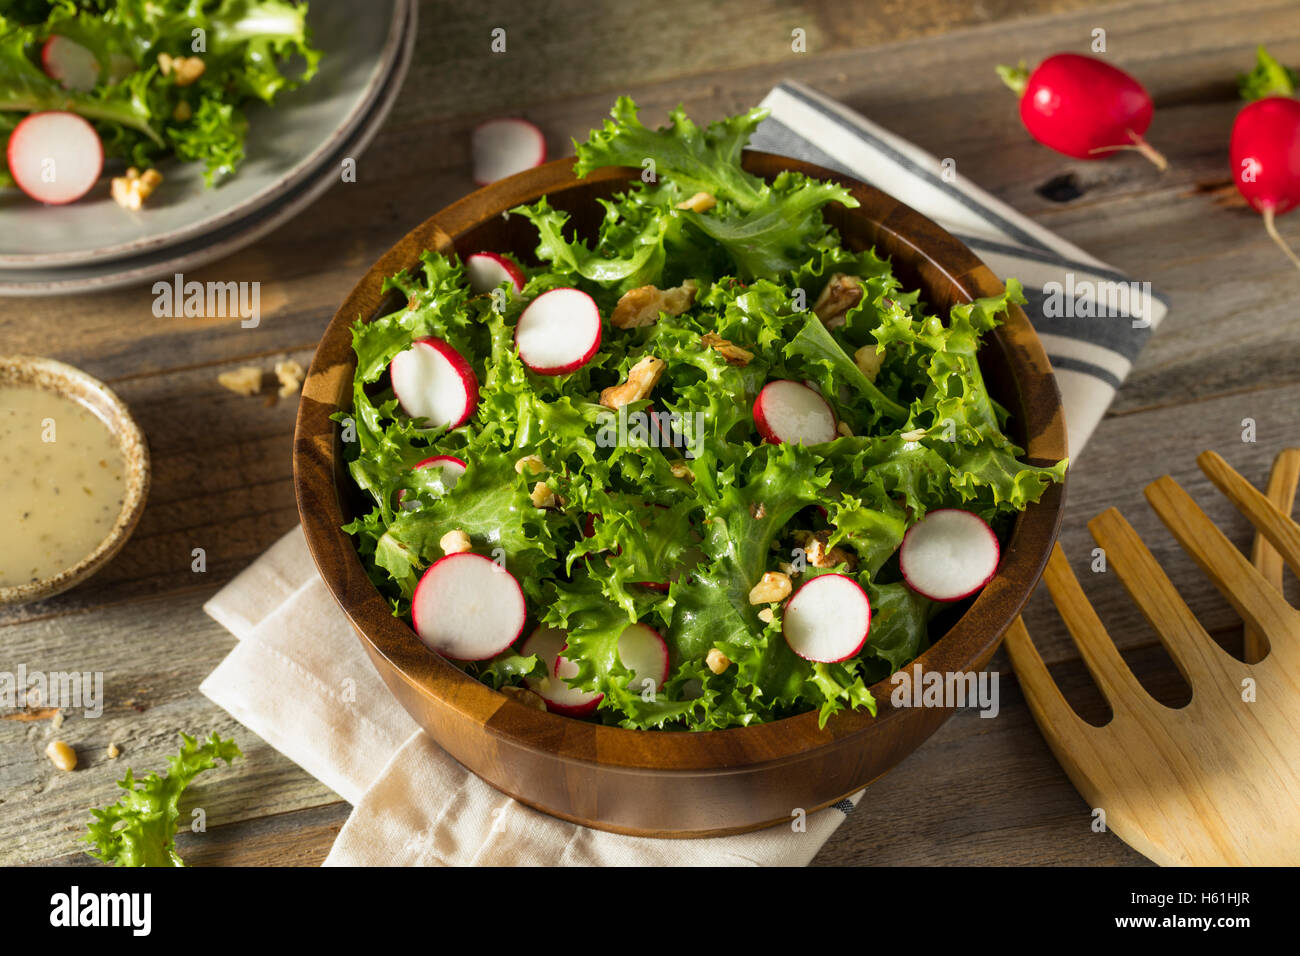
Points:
[708,469]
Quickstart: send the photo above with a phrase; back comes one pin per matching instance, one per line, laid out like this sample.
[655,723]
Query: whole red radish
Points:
[1083,107]
[1265,152]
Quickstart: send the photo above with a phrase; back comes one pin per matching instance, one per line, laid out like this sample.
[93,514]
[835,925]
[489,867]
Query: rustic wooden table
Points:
[980,791]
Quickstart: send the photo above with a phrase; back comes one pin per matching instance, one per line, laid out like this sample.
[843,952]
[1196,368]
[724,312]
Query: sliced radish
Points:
[558,332]
[827,619]
[547,643]
[642,651]
[467,607]
[433,381]
[786,411]
[55,157]
[949,555]
[487,270]
[452,468]
[70,63]
[503,147]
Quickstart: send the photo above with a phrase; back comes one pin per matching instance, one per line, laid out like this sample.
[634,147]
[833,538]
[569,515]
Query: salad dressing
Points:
[62,483]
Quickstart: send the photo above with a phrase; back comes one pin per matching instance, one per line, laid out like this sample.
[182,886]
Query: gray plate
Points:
[361,41]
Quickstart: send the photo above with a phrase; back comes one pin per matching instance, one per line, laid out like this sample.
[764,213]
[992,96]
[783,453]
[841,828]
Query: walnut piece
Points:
[242,381]
[533,464]
[641,380]
[187,68]
[289,374]
[841,294]
[681,469]
[774,586]
[766,615]
[543,496]
[130,191]
[868,360]
[733,354]
[61,755]
[716,660]
[700,202]
[455,542]
[814,544]
[641,306]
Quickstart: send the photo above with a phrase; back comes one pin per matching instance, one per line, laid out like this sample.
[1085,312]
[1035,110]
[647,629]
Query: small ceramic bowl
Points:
[75,384]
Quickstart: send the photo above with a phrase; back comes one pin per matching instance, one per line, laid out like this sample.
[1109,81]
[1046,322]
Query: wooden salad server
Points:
[1216,782]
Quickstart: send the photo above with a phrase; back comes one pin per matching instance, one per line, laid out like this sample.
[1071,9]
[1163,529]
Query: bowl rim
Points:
[629,750]
[72,383]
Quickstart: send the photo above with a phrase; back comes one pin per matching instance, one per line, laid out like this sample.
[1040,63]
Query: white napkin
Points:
[299,679]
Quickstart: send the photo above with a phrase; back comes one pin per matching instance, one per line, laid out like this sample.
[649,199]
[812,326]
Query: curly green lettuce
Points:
[705,517]
[140,829]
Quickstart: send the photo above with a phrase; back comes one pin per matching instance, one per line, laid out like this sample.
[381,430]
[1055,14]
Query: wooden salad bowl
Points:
[665,783]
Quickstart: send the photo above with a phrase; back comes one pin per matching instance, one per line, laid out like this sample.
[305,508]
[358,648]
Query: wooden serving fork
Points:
[1216,782]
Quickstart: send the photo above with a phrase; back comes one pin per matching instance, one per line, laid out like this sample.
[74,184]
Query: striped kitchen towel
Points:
[1092,319]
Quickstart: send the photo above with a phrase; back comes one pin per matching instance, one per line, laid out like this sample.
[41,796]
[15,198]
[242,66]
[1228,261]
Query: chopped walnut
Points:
[114,751]
[758,510]
[455,542]
[841,294]
[187,68]
[868,360]
[700,202]
[774,586]
[525,696]
[182,112]
[242,381]
[766,615]
[716,660]
[814,544]
[130,191]
[733,354]
[543,496]
[289,375]
[641,380]
[532,463]
[682,470]
[642,306]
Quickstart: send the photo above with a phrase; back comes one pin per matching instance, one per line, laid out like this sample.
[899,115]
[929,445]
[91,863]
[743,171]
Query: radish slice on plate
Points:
[452,468]
[949,555]
[786,411]
[433,381]
[55,157]
[70,63]
[547,643]
[487,270]
[827,619]
[467,607]
[642,651]
[503,147]
[558,332]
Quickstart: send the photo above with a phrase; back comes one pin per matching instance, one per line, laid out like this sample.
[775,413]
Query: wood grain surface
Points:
[980,791]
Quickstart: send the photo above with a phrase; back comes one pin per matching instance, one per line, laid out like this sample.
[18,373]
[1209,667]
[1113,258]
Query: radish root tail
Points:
[1139,146]
[1276,236]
